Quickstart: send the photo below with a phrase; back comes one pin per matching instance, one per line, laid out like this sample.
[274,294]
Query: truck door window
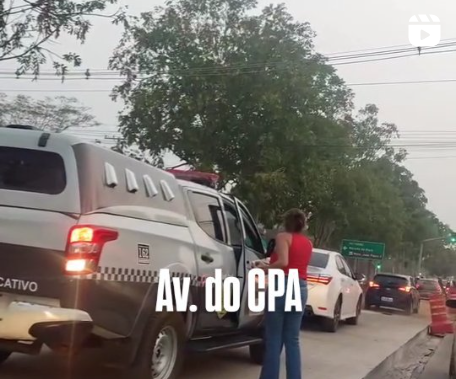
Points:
[208,214]
[252,239]
[234,225]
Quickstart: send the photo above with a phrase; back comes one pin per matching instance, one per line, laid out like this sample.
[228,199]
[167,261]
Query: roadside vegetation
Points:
[241,91]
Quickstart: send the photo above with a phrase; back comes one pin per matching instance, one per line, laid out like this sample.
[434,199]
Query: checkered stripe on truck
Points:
[118,274]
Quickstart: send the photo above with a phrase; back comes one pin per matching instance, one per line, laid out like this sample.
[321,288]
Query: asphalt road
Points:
[349,354]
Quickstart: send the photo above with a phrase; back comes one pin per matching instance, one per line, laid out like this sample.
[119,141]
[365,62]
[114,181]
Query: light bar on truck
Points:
[204,178]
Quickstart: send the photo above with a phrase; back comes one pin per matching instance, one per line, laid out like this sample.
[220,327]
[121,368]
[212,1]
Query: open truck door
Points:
[252,250]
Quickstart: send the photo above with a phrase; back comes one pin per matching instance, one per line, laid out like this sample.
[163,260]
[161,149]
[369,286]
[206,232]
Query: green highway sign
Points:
[362,249]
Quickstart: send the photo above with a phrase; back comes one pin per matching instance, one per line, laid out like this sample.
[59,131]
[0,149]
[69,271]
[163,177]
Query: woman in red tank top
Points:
[292,251]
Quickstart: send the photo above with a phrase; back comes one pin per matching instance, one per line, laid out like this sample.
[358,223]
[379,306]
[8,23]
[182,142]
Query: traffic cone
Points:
[440,324]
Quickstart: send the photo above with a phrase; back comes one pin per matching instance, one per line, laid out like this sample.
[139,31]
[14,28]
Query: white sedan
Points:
[334,293]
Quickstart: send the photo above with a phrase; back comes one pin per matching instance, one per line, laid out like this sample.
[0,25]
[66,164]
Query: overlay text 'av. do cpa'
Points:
[225,294]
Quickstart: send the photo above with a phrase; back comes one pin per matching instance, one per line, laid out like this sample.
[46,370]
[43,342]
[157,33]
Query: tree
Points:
[223,89]
[27,28]
[352,197]
[51,114]
[245,94]
[442,262]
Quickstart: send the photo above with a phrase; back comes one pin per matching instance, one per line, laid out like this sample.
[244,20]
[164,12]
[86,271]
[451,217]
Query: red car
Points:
[428,288]
[451,303]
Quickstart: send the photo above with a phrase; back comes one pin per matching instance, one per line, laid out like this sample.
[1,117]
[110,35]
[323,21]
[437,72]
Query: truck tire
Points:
[331,325]
[4,355]
[160,353]
[257,353]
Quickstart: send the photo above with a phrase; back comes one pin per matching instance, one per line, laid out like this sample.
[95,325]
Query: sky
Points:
[423,112]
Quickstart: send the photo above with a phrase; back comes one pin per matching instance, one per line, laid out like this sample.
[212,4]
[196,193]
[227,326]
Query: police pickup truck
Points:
[84,232]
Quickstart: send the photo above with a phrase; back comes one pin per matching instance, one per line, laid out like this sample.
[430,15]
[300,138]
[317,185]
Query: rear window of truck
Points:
[31,170]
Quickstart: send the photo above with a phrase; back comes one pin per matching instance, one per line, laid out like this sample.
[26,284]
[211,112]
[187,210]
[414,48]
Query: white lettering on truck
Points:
[17,284]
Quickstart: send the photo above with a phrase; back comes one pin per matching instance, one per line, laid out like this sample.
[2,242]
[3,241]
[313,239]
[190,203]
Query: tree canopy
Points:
[51,114]
[242,92]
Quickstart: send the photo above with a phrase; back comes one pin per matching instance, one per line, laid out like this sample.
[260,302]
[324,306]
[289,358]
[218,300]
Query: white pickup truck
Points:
[84,232]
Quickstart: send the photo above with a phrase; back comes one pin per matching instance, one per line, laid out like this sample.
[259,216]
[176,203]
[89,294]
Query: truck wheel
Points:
[160,354]
[354,320]
[257,353]
[4,355]
[332,324]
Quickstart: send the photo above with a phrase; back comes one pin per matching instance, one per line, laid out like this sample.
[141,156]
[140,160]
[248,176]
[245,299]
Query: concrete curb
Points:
[438,366]
[392,360]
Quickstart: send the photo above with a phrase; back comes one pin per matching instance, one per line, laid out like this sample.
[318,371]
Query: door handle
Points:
[207,258]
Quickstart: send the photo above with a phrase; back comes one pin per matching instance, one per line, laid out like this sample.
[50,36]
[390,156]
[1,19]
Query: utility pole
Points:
[452,239]
[420,259]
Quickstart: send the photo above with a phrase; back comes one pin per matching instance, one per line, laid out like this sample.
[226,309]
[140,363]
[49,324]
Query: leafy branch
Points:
[27,28]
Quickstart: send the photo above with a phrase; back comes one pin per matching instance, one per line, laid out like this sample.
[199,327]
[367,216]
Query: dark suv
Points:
[393,291]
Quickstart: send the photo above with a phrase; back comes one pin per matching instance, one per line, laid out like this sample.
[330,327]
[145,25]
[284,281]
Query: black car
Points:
[393,291]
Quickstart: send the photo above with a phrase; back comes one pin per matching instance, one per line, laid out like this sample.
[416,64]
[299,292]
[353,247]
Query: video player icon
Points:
[424,30]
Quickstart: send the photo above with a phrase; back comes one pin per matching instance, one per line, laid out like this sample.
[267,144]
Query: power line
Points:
[99,90]
[409,49]
[394,49]
[55,90]
[212,71]
[381,48]
[432,157]
[405,135]
[215,73]
[402,82]
[237,68]
[390,58]
[437,146]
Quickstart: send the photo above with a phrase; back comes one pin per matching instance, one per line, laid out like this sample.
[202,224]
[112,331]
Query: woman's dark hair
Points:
[294,221]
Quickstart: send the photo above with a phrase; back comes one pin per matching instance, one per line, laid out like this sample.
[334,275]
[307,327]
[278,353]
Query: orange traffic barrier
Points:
[451,295]
[440,323]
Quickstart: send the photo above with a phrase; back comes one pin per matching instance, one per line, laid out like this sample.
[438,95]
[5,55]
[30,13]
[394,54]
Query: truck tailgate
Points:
[32,245]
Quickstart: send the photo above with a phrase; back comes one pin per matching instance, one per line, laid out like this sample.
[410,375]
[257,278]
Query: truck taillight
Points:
[84,247]
[321,279]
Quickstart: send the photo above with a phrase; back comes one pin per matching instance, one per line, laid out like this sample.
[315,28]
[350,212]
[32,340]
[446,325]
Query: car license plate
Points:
[387,299]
